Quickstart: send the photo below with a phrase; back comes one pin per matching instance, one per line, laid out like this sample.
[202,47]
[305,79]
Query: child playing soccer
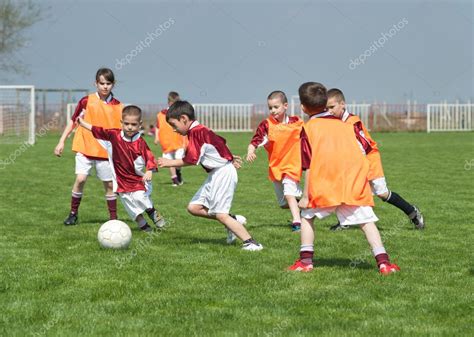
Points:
[129,155]
[280,135]
[101,109]
[214,199]
[336,179]
[337,106]
[172,143]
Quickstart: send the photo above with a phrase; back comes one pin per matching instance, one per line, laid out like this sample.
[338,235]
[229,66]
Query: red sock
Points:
[382,259]
[306,257]
[112,206]
[75,202]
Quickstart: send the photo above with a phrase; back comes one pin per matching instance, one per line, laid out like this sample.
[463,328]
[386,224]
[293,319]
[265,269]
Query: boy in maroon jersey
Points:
[214,199]
[129,155]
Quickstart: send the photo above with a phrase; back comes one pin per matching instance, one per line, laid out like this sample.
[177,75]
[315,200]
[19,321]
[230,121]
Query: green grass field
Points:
[185,281]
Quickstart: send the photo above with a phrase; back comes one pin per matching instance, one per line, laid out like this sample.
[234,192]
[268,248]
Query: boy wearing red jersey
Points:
[336,179]
[337,106]
[101,109]
[214,199]
[279,134]
[129,156]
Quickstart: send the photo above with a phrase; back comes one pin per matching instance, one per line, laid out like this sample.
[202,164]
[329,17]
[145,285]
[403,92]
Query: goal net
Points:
[17,114]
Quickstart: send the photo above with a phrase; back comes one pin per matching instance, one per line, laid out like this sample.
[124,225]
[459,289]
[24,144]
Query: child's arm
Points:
[157,136]
[84,124]
[251,156]
[163,162]
[150,162]
[303,203]
[58,150]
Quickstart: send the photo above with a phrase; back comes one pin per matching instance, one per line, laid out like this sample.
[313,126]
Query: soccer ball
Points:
[114,234]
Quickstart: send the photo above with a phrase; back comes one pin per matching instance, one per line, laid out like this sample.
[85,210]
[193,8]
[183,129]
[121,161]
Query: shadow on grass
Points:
[343,263]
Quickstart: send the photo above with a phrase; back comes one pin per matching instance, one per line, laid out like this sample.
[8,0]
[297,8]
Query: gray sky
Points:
[239,51]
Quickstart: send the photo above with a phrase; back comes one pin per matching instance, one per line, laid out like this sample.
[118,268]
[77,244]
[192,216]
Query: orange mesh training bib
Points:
[98,113]
[284,150]
[169,140]
[338,170]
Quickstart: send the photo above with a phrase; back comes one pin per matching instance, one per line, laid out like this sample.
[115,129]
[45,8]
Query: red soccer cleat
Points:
[300,266]
[388,268]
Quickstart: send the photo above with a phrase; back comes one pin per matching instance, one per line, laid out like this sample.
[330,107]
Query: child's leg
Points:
[372,235]
[307,241]
[142,223]
[295,211]
[156,217]
[233,225]
[77,190]
[201,211]
[111,199]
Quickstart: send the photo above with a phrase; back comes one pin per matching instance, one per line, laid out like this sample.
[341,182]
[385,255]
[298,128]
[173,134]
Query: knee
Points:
[81,180]
[383,196]
[192,209]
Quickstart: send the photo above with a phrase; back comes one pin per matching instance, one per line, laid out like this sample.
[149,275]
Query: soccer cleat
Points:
[300,266]
[175,182]
[339,227]
[146,228]
[158,220]
[252,246]
[418,220]
[71,220]
[388,268]
[295,228]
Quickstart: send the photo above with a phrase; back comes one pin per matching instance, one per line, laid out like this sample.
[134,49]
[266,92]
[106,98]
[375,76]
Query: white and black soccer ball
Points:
[114,234]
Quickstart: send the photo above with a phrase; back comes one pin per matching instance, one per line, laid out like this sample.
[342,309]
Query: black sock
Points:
[249,241]
[399,202]
[178,174]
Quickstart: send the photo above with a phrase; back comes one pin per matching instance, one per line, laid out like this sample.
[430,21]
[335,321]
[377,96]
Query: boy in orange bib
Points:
[337,106]
[172,143]
[279,134]
[336,179]
[101,109]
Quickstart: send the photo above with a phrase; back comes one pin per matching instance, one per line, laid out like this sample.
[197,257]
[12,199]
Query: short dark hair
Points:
[107,73]
[173,96]
[337,93]
[278,93]
[132,110]
[313,95]
[180,108]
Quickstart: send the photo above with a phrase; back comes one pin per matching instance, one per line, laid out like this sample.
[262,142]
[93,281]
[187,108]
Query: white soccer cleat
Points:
[252,246]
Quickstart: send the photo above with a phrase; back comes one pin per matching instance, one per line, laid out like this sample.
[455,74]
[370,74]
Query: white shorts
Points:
[217,192]
[178,154]
[286,187]
[347,215]
[84,165]
[135,203]
[379,186]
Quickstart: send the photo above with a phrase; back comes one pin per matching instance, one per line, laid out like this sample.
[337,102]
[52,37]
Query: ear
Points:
[303,108]
[285,105]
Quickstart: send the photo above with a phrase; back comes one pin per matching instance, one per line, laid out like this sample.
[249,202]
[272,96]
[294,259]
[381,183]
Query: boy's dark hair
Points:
[173,96]
[337,93]
[278,94]
[180,108]
[313,95]
[107,73]
[132,110]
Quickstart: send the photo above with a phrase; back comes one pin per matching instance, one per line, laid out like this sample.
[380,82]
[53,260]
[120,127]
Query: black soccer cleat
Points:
[71,220]
[417,219]
[339,227]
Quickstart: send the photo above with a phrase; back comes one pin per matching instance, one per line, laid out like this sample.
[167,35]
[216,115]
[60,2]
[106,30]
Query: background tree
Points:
[15,18]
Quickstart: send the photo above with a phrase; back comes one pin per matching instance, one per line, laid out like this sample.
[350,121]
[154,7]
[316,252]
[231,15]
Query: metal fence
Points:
[408,116]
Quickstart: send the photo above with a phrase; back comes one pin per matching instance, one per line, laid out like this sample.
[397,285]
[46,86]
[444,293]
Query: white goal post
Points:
[17,114]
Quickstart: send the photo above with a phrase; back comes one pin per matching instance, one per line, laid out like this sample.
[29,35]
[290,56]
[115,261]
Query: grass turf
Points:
[186,281]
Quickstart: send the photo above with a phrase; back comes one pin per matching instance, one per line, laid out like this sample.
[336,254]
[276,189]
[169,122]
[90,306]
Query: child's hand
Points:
[304,201]
[237,162]
[251,157]
[156,141]
[162,162]
[59,149]
[148,175]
